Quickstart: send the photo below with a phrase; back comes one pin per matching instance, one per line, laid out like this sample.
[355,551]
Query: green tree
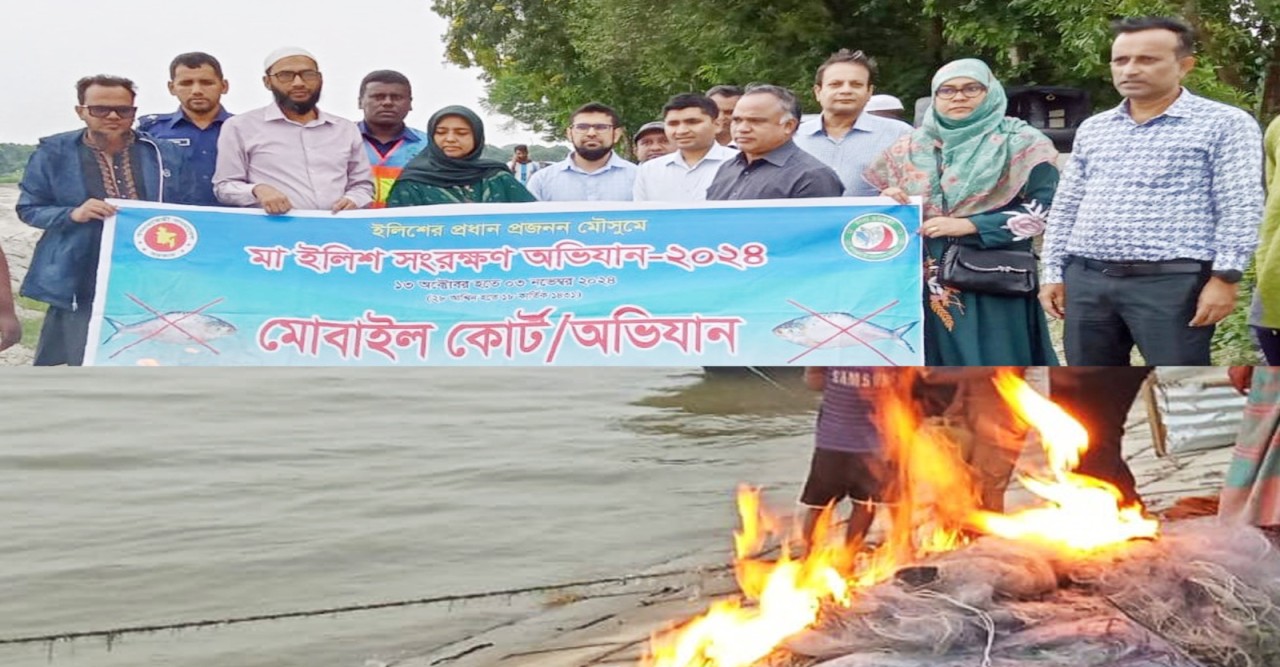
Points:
[13,159]
[543,58]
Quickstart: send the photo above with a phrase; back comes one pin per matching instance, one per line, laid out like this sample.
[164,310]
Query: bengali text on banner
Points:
[762,283]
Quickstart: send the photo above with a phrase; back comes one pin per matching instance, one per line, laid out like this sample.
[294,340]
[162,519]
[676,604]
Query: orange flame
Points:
[1083,513]
[935,501]
[787,593]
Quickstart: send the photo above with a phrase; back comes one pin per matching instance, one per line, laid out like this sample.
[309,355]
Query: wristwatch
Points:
[1229,276]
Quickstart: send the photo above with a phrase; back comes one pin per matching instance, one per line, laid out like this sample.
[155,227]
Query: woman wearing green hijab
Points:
[987,181]
[451,171]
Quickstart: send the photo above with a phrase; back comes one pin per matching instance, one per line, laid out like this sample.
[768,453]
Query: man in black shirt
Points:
[770,165]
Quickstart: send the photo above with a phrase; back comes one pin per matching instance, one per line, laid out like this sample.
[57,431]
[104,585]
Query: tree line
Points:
[542,58]
[13,159]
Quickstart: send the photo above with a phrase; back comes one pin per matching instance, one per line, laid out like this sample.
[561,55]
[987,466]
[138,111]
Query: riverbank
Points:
[18,241]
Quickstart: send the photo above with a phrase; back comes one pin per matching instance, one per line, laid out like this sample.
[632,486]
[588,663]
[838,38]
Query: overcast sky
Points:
[48,44]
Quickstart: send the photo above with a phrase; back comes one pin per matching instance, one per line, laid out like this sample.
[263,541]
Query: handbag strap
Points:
[946,208]
[937,157]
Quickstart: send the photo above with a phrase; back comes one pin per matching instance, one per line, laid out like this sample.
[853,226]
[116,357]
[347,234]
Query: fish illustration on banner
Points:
[538,284]
[829,330]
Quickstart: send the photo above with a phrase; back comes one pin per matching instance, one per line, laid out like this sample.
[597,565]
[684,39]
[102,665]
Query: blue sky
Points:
[49,44]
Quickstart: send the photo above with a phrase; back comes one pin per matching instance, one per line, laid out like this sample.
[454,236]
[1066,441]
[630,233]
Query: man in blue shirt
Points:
[592,172]
[849,458]
[845,137]
[196,80]
[1157,212]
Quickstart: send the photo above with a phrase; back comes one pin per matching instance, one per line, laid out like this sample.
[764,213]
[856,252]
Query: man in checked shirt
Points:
[1157,212]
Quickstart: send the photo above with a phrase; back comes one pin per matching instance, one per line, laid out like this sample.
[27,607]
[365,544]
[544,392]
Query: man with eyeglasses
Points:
[1157,213]
[291,154]
[770,164]
[845,137]
[592,172]
[196,80]
[64,191]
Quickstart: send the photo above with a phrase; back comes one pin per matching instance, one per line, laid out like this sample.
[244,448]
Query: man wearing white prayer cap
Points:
[886,106]
[291,154]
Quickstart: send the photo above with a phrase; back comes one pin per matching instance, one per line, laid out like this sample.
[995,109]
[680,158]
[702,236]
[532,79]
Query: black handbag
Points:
[987,270]
[1000,271]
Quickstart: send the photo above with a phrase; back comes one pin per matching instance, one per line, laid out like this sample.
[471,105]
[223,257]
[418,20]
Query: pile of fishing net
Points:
[1202,595]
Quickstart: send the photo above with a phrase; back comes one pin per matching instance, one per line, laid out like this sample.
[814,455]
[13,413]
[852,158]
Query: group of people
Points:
[1146,232]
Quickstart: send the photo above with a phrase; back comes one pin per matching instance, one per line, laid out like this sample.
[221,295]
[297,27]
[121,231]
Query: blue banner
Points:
[759,283]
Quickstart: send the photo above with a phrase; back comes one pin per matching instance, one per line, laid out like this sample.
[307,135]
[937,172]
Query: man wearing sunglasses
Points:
[592,172]
[291,154]
[64,191]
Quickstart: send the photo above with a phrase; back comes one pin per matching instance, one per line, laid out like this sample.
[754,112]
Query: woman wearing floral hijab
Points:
[450,169]
[997,178]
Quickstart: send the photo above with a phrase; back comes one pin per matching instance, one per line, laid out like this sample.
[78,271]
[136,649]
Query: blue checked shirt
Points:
[1185,184]
[566,181]
[854,152]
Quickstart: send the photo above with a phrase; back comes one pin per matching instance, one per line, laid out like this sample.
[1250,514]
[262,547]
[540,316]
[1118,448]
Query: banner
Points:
[754,283]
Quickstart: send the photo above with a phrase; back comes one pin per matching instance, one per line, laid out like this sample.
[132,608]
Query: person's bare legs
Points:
[860,519]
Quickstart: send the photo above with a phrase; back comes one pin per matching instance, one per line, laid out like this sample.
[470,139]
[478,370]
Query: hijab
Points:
[987,156]
[433,167]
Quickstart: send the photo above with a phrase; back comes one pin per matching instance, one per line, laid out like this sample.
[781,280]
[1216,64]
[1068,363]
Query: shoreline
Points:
[19,241]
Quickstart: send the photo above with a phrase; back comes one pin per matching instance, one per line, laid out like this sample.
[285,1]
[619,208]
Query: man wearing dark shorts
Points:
[848,455]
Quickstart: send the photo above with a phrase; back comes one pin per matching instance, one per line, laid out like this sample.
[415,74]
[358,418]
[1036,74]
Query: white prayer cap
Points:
[884,103]
[284,52]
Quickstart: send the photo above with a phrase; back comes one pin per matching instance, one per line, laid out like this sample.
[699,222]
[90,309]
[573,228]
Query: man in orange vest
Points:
[386,99]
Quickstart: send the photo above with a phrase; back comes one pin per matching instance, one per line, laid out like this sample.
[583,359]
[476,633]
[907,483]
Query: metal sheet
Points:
[1199,407]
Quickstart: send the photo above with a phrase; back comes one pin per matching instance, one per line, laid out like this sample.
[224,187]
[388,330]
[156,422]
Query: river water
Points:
[133,497]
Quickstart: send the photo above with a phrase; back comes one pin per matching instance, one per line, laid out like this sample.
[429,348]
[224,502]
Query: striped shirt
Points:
[1185,184]
[846,420]
[851,154]
[566,181]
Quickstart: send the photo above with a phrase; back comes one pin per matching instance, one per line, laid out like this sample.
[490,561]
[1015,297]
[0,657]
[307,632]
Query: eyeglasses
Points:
[587,127]
[102,111]
[970,90]
[287,76]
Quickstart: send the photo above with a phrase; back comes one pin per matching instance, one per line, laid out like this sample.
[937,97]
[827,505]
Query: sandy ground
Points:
[18,240]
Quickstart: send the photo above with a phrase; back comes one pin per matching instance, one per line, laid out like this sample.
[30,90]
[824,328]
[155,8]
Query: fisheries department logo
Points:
[874,237]
[165,237]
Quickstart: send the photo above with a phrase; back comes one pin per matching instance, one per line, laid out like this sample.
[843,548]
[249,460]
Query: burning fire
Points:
[786,595]
[936,499]
[1083,513]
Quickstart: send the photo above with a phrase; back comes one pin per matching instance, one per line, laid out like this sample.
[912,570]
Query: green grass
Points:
[31,325]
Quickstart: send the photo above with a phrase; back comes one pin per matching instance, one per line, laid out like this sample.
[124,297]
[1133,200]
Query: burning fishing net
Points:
[1082,580]
[1203,594]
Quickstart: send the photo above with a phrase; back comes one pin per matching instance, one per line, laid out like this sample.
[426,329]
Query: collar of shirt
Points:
[272,112]
[615,162]
[1183,107]
[171,120]
[717,153]
[407,133]
[777,156]
[866,122]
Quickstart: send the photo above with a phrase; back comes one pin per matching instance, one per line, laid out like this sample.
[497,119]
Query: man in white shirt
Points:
[684,175]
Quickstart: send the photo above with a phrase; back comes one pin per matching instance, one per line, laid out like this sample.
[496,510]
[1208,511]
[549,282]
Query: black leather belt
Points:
[1125,269]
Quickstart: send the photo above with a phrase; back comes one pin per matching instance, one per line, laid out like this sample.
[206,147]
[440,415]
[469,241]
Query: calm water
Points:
[136,497]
